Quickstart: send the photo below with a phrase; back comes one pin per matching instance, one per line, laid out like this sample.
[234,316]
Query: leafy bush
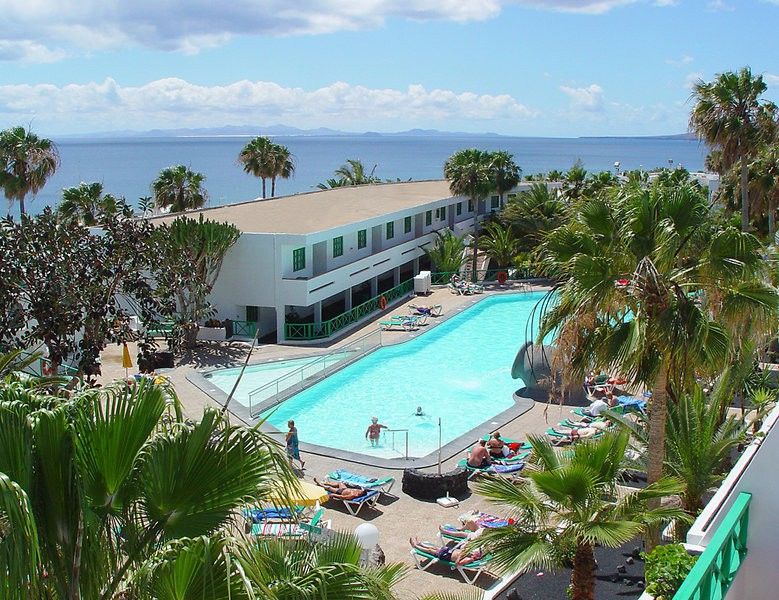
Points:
[213,323]
[665,569]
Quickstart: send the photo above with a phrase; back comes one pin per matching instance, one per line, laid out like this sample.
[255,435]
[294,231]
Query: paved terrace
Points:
[396,518]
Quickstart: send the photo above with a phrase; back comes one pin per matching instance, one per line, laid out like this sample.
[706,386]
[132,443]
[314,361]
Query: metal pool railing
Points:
[393,432]
[715,570]
[272,393]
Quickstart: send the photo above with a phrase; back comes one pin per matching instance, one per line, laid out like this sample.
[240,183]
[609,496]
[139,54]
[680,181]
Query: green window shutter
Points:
[429,217]
[252,314]
[338,246]
[470,205]
[299,259]
[362,238]
[443,213]
[390,230]
[407,225]
[459,208]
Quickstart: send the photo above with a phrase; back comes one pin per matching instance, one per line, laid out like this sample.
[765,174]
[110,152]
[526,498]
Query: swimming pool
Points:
[459,371]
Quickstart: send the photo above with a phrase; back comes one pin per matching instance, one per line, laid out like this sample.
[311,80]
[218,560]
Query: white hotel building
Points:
[304,262]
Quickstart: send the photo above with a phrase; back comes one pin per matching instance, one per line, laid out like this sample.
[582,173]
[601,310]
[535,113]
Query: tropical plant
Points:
[447,254]
[92,485]
[764,184]
[87,205]
[256,158]
[762,401]
[574,182]
[179,188]
[146,205]
[469,173]
[571,497]
[532,214]
[505,172]
[666,568]
[282,166]
[731,117]
[192,251]
[652,287]
[26,163]
[500,244]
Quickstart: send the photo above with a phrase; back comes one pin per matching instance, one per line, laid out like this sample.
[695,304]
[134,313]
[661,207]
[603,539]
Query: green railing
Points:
[314,331]
[715,570]
[245,328]
[162,329]
[443,277]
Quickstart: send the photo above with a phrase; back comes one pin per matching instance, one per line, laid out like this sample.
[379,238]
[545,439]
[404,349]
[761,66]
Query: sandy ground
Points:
[398,517]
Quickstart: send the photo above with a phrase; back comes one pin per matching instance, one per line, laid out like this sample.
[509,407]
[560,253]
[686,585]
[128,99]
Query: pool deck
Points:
[400,516]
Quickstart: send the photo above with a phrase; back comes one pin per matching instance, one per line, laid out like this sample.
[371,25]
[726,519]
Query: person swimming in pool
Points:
[374,431]
[419,412]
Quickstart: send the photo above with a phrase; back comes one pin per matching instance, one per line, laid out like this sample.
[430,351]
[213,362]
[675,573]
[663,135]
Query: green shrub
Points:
[665,569]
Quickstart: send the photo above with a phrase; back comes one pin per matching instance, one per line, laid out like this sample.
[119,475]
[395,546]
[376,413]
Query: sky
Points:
[557,68]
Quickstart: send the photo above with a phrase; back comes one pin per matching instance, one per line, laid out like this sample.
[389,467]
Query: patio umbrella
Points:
[127,362]
[307,494]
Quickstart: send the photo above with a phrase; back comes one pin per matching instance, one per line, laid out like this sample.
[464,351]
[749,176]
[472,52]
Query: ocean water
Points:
[127,166]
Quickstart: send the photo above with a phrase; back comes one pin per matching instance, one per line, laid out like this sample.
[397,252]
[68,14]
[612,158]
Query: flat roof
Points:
[311,212]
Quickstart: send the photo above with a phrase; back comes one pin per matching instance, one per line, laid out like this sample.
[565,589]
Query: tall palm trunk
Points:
[583,575]
[475,252]
[263,188]
[21,207]
[772,215]
[744,193]
[272,187]
[656,444]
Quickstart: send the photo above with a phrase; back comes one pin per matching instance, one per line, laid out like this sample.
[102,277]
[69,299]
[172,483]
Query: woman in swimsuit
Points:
[374,431]
[293,449]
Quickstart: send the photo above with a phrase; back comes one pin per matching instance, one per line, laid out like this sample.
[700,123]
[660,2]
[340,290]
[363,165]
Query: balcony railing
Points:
[245,328]
[325,329]
[443,277]
[715,570]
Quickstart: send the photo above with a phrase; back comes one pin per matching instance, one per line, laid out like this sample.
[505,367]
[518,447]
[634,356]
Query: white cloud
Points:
[719,6]
[680,62]
[692,79]
[45,27]
[175,102]
[769,78]
[588,98]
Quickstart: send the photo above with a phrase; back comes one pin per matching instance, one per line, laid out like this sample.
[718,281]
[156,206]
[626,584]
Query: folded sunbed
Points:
[470,572]
[382,484]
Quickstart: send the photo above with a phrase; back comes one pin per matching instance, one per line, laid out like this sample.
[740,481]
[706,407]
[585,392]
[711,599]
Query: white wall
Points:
[756,473]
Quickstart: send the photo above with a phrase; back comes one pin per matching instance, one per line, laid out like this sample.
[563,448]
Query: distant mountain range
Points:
[286,130]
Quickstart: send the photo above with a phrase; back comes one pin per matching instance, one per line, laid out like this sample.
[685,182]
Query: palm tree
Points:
[694,291]
[571,498]
[353,173]
[282,166]
[26,163]
[505,172]
[94,484]
[257,158]
[470,174]
[179,188]
[730,116]
[764,183]
[500,244]
[447,254]
[574,181]
[532,214]
[86,204]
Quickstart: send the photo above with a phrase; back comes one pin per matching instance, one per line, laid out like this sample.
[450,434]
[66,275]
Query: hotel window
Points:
[459,208]
[362,238]
[429,217]
[443,213]
[407,225]
[494,202]
[390,230]
[470,205]
[338,246]
[299,259]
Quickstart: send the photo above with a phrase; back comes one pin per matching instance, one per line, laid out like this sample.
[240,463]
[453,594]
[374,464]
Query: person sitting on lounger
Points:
[596,408]
[497,447]
[479,458]
[425,310]
[340,491]
[453,554]
[470,530]
[583,433]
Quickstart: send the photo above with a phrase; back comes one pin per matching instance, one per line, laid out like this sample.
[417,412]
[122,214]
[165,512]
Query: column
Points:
[318,313]
[374,287]
[395,276]
[348,299]
[281,311]
[416,266]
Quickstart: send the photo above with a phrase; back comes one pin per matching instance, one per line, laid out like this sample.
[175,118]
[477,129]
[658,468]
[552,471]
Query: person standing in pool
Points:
[293,450]
[374,431]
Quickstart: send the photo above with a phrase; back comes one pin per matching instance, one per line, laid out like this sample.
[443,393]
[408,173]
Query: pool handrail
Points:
[393,432]
[350,355]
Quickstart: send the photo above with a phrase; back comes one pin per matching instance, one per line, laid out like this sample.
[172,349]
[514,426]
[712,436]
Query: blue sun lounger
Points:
[260,515]
[470,572]
[493,469]
[382,484]
[355,506]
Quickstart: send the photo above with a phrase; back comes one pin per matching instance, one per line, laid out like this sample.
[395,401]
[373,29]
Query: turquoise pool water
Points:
[459,371]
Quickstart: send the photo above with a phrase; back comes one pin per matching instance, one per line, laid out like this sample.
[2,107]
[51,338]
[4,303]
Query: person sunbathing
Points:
[469,531]
[479,458]
[497,447]
[582,433]
[341,491]
[454,554]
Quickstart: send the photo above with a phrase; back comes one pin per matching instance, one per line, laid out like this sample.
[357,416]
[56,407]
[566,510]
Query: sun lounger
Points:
[493,469]
[509,442]
[294,530]
[470,572]
[261,515]
[432,311]
[354,506]
[404,323]
[382,484]
[454,533]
